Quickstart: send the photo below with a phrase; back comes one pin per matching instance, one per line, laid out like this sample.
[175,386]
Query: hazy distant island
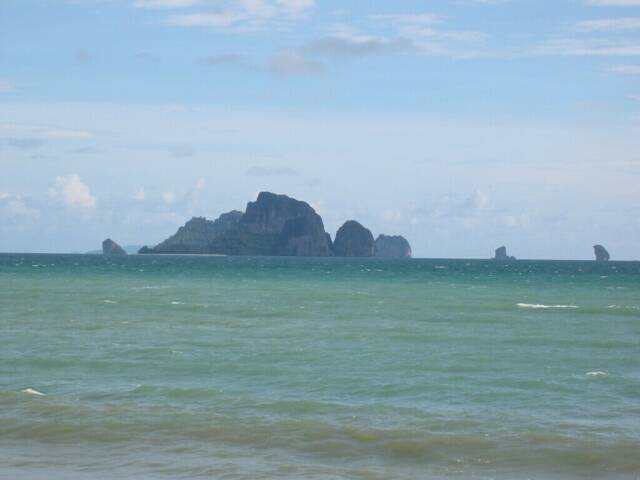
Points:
[501,254]
[601,253]
[109,247]
[277,225]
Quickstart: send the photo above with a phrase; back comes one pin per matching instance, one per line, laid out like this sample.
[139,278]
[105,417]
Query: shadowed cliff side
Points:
[392,246]
[353,240]
[601,253]
[109,247]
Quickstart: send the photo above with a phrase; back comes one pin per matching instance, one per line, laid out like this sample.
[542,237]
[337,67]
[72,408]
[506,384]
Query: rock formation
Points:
[109,247]
[392,246]
[276,225]
[353,240]
[272,225]
[601,253]
[501,254]
[197,234]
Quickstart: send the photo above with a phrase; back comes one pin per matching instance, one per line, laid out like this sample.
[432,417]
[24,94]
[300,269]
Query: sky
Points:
[462,124]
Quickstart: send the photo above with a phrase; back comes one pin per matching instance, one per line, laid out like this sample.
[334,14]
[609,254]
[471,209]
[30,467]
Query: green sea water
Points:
[179,367]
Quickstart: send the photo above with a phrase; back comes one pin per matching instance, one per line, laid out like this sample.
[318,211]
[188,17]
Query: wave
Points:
[542,306]
[597,374]
[624,307]
[31,391]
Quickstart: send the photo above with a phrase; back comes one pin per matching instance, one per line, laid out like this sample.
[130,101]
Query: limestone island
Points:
[501,254]
[277,225]
[601,253]
[109,247]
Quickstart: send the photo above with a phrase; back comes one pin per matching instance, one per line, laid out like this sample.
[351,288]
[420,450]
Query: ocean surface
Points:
[179,367]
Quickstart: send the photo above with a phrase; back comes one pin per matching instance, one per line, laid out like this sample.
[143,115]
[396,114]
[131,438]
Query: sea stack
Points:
[392,246]
[601,253]
[353,240]
[109,247]
[501,254]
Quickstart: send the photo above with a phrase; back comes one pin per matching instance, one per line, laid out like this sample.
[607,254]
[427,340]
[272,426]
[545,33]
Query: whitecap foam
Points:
[540,305]
[31,391]
[597,374]
[109,301]
[177,303]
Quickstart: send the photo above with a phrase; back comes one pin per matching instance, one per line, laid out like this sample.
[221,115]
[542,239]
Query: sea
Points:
[181,367]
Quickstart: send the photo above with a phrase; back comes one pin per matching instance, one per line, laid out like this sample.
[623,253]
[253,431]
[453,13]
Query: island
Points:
[277,225]
[109,247]
[601,253]
[501,254]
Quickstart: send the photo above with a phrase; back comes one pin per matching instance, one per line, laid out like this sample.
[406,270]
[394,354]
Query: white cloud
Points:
[392,216]
[409,19]
[73,192]
[244,13]
[590,47]
[626,69]
[139,195]
[609,24]
[43,131]
[14,206]
[216,20]
[6,86]
[200,184]
[168,198]
[615,3]
[292,62]
[165,3]
[297,6]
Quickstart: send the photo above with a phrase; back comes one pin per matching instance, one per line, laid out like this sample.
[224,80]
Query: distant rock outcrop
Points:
[276,225]
[109,247]
[601,253]
[272,225]
[353,240]
[501,254]
[197,234]
[392,246]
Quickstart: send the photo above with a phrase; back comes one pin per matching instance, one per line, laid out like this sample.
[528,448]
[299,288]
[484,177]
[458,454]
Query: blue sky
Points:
[461,124]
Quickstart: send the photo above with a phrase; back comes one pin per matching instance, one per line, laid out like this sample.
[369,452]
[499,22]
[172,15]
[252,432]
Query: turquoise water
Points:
[248,368]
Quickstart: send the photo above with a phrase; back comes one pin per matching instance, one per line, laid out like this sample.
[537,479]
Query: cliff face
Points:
[196,235]
[353,240]
[109,247]
[276,225]
[272,225]
[394,246]
[501,254]
[601,253]
[280,225]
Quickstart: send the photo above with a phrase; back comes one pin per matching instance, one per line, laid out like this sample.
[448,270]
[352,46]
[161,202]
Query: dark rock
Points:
[394,246]
[109,247]
[601,253]
[272,225]
[275,225]
[353,240]
[501,254]
[145,250]
[197,234]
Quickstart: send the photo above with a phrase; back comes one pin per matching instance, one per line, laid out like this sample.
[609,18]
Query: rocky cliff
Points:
[276,225]
[601,253]
[272,225]
[501,254]
[392,246]
[353,240]
[109,247]
[197,234]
